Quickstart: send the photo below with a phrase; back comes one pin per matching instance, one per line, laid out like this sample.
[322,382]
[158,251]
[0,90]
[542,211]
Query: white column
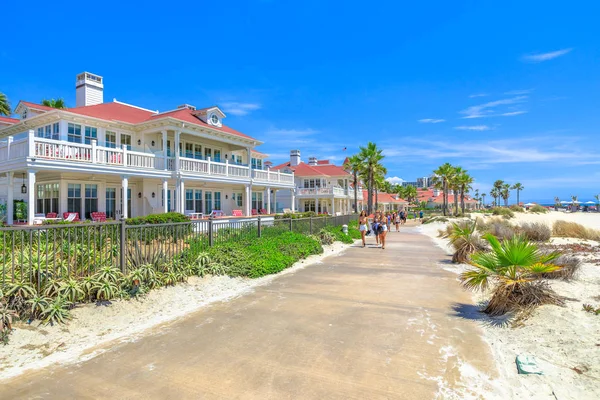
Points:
[31,142]
[275,200]
[268,200]
[124,199]
[165,189]
[164,146]
[333,205]
[94,151]
[316,205]
[177,137]
[293,197]
[30,197]
[10,205]
[247,200]
[182,196]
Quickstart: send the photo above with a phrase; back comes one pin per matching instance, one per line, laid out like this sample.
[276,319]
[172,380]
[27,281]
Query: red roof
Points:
[9,120]
[114,112]
[322,162]
[427,195]
[383,197]
[36,106]
[304,169]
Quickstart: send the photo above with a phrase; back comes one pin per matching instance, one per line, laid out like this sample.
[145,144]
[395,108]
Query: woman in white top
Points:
[362,225]
[383,233]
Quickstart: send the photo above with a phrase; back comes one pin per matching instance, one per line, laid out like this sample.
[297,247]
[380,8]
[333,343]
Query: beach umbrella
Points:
[565,202]
[589,202]
[529,204]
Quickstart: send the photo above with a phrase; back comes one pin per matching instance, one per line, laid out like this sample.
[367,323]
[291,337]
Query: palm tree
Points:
[410,193]
[505,193]
[597,197]
[464,181]
[495,193]
[354,163]
[483,199]
[441,180]
[371,157]
[514,267]
[4,105]
[518,187]
[455,186]
[574,206]
[58,103]
[556,203]
[379,184]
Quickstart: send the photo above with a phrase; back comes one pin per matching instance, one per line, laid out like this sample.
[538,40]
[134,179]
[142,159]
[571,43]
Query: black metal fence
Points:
[36,253]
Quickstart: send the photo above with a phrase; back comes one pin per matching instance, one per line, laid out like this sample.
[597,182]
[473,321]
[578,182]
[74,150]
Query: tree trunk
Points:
[455,202]
[376,199]
[444,197]
[355,192]
[462,201]
[370,192]
[518,202]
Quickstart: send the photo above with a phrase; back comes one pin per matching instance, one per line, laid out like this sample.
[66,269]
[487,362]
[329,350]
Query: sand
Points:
[93,327]
[565,340]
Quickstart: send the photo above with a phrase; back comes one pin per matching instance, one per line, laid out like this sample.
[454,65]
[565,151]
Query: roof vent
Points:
[312,161]
[189,107]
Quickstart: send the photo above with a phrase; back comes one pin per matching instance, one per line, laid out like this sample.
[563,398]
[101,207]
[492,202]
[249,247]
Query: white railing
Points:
[192,165]
[217,168]
[336,191]
[260,175]
[272,176]
[140,160]
[109,156]
[237,171]
[13,150]
[57,150]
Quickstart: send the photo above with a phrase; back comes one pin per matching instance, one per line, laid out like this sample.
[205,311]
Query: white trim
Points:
[131,105]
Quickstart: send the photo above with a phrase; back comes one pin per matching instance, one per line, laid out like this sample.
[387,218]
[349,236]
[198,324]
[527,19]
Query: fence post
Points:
[259,227]
[291,224]
[123,244]
[310,225]
[210,231]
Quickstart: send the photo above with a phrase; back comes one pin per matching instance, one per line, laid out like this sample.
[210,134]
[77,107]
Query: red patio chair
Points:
[254,212]
[51,215]
[67,217]
[237,213]
[262,211]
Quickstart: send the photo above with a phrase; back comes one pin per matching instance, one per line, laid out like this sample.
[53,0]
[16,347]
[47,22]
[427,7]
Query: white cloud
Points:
[395,180]
[536,58]
[513,113]
[239,109]
[294,133]
[431,121]
[478,95]
[473,128]
[487,109]
[518,92]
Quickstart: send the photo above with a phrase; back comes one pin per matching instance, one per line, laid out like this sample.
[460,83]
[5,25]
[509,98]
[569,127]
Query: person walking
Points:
[362,225]
[421,216]
[383,230]
[375,227]
[397,221]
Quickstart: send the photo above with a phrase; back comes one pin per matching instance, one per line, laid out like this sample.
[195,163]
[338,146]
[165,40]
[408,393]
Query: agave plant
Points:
[37,304]
[170,278]
[71,291]
[109,274]
[6,318]
[106,290]
[88,285]
[23,290]
[514,270]
[148,255]
[465,240]
[216,269]
[57,311]
[147,272]
[52,287]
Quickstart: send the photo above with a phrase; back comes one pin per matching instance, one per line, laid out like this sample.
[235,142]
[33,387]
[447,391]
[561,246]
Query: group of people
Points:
[381,224]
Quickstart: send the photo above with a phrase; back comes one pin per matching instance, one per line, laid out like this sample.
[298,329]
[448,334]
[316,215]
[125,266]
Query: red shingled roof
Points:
[37,106]
[304,169]
[8,120]
[114,112]
[383,197]
[427,195]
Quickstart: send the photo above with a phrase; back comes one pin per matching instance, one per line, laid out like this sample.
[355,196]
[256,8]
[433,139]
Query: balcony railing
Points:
[56,150]
[334,190]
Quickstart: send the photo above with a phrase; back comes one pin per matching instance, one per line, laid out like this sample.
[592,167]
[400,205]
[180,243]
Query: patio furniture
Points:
[51,215]
[262,211]
[195,215]
[254,212]
[237,213]
[71,216]
[98,216]
[287,210]
[217,213]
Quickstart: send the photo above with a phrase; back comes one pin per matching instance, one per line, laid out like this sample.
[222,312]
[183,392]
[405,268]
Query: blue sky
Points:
[508,90]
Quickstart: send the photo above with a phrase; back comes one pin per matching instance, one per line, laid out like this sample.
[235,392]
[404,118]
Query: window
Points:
[47,198]
[24,115]
[309,205]
[198,201]
[259,164]
[189,151]
[217,155]
[111,139]
[48,132]
[208,202]
[126,140]
[257,200]
[74,198]
[237,197]
[55,130]
[111,202]
[40,132]
[217,200]
[198,153]
[189,199]
[74,133]
[214,119]
[91,200]
[253,163]
[90,134]
[207,153]
[168,148]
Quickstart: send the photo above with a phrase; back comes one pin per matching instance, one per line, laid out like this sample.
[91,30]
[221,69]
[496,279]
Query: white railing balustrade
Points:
[192,165]
[237,171]
[217,168]
[260,174]
[56,150]
[140,160]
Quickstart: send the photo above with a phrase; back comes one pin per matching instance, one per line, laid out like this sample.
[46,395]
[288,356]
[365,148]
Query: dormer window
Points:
[24,115]
[214,119]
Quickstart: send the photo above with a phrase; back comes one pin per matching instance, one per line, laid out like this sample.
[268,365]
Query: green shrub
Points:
[538,209]
[504,212]
[516,208]
[164,218]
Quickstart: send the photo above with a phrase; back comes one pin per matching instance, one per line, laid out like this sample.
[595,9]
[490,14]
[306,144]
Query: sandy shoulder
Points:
[563,339]
[93,328]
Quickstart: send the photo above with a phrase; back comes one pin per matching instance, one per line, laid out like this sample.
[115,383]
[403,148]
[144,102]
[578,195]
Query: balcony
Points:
[32,149]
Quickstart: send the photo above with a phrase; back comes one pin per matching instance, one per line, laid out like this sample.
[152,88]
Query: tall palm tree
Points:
[58,103]
[441,180]
[556,203]
[597,197]
[379,182]
[483,199]
[574,206]
[464,181]
[518,187]
[354,163]
[410,193]
[476,197]
[4,105]
[495,193]
[371,157]
[455,186]
[505,193]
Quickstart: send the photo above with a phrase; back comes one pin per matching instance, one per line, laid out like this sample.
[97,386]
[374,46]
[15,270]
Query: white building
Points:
[100,156]
[321,187]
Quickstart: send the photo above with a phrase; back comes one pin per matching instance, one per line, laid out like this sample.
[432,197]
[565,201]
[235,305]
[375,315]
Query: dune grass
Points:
[574,230]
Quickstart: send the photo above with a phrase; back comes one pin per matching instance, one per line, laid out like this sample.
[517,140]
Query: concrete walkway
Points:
[369,324]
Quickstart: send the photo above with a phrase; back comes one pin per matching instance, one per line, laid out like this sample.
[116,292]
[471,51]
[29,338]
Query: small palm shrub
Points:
[513,269]
[465,240]
[516,208]
[503,212]
[574,230]
[538,209]
[535,231]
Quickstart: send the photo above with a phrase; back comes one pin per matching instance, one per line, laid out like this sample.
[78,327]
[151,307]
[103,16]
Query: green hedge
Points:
[163,218]
[297,215]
